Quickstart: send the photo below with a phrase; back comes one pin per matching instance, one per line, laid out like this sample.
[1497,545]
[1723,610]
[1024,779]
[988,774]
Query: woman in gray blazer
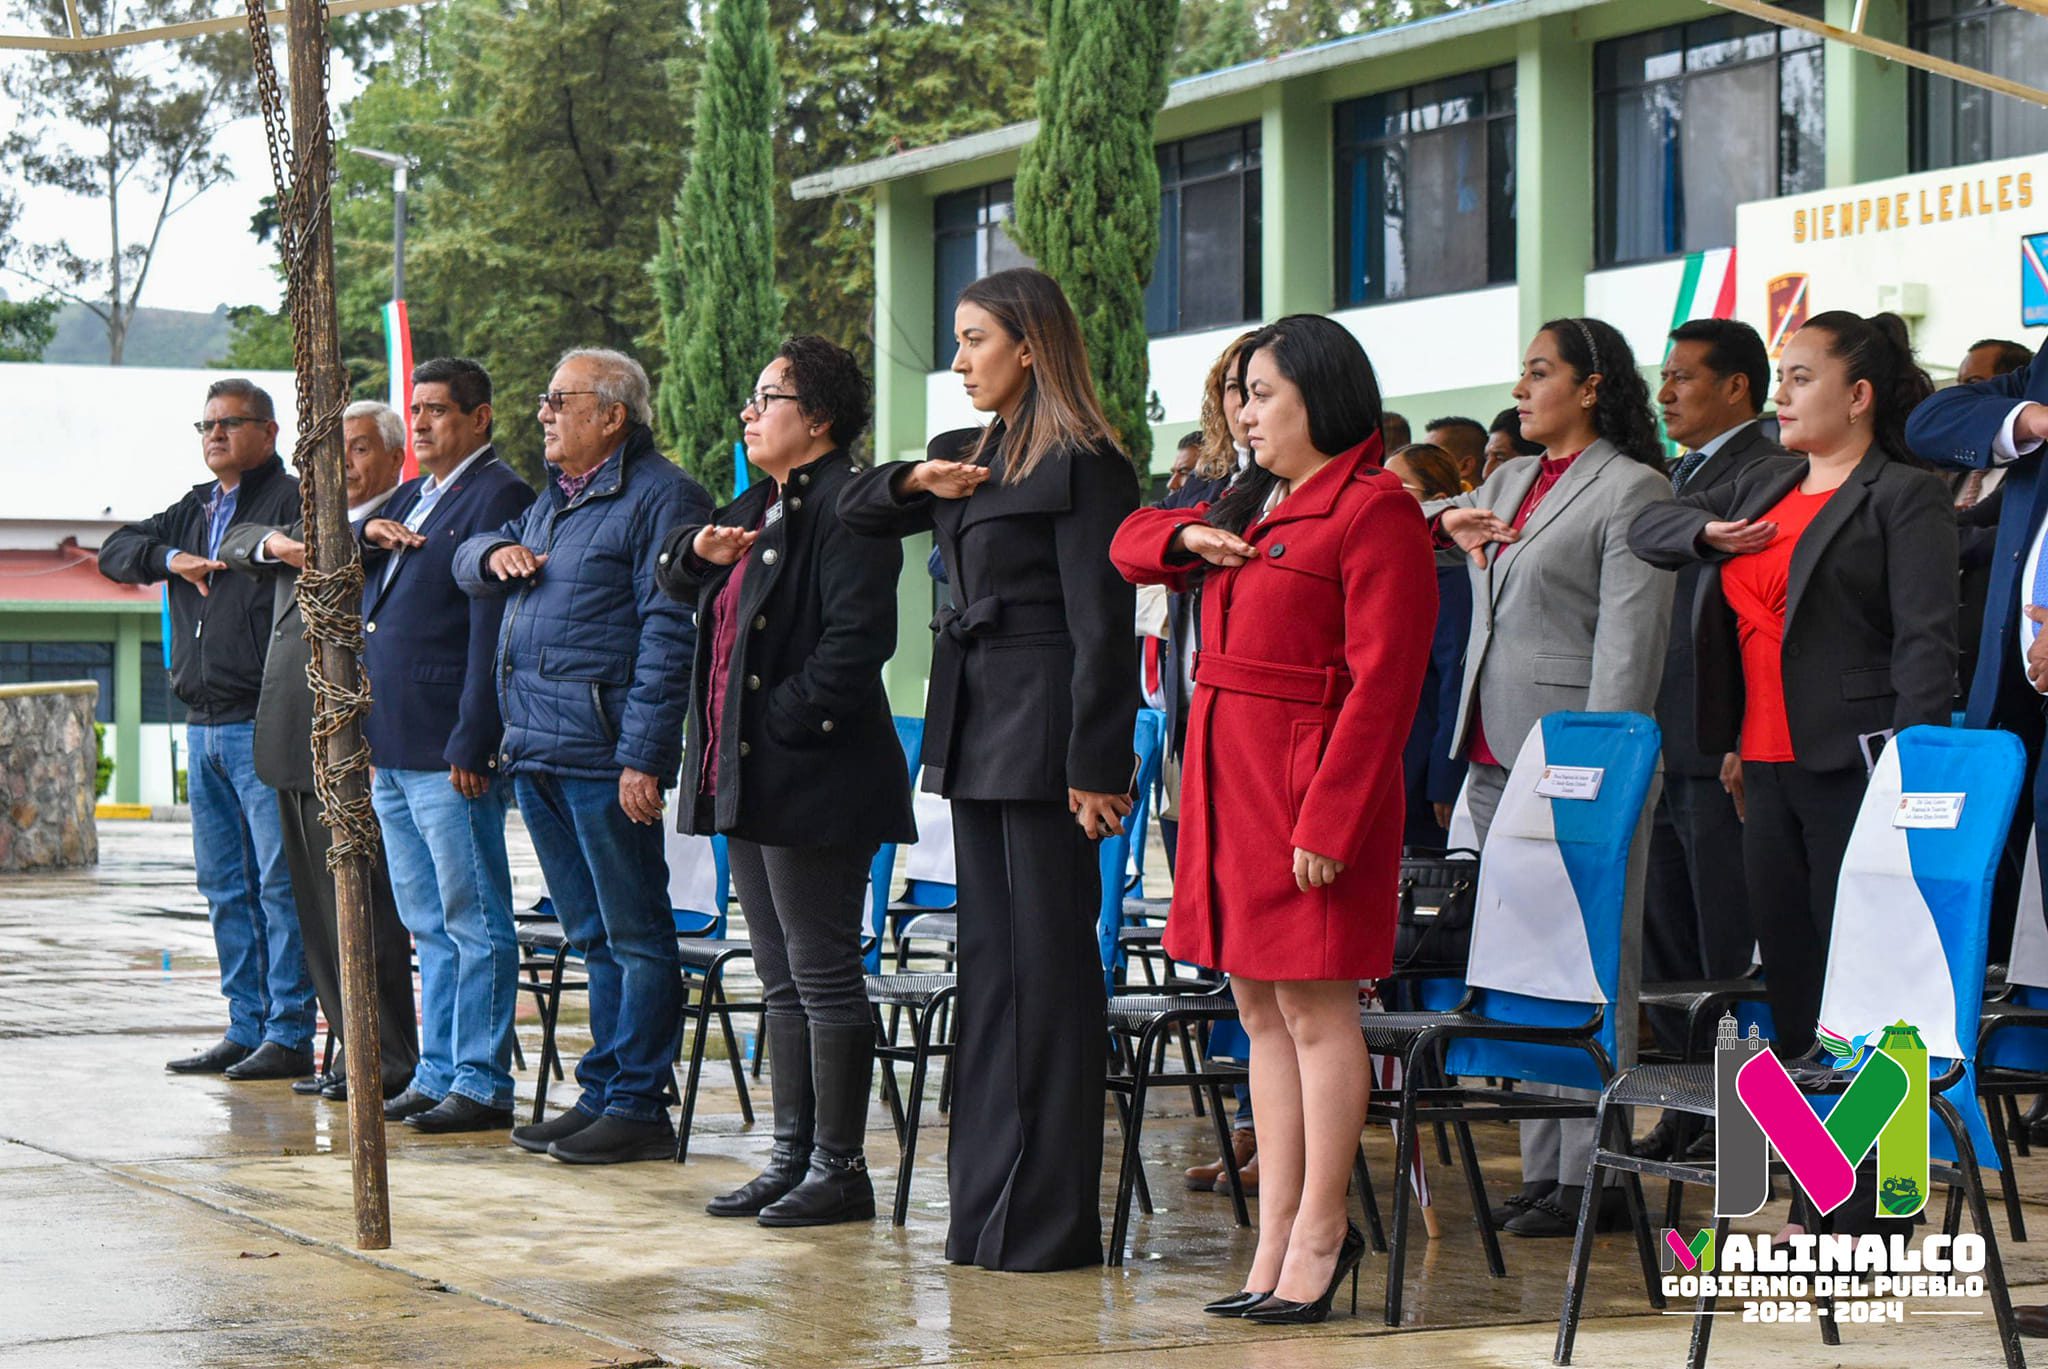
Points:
[1564,617]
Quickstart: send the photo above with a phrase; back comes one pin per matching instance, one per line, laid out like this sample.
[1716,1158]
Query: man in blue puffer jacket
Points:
[592,670]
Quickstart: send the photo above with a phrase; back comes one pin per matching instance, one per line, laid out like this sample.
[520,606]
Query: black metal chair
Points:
[704,961]
[544,956]
[927,1000]
[1140,1027]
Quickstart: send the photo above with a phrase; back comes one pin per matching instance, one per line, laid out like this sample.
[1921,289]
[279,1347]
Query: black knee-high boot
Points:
[838,1188]
[789,1088]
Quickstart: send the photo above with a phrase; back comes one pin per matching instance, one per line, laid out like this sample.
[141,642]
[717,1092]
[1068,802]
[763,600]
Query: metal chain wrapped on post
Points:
[330,602]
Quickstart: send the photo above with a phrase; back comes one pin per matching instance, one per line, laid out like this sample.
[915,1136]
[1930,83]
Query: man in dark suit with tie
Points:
[433,735]
[1695,909]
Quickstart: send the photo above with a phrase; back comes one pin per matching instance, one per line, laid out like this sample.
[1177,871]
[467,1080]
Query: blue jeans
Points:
[453,887]
[609,882]
[238,855]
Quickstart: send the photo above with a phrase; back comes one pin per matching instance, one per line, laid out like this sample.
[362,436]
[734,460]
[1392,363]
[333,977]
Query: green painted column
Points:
[1867,133]
[903,340]
[128,709]
[1553,170]
[1297,262]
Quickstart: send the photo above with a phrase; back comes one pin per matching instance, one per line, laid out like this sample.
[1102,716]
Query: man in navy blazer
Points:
[433,732]
[2003,422]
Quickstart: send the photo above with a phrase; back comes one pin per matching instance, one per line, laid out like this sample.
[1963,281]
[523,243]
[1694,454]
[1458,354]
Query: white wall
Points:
[108,444]
[1638,302]
[156,758]
[1959,242]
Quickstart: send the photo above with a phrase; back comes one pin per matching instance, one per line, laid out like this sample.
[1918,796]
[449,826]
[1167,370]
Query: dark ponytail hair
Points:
[1337,385]
[1879,349]
[1621,403]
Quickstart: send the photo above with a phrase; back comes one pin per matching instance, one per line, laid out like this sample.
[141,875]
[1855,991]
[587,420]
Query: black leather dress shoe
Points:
[1518,1203]
[316,1085]
[272,1061]
[212,1060]
[408,1103]
[1558,1214]
[617,1141]
[538,1136]
[2030,1321]
[456,1113]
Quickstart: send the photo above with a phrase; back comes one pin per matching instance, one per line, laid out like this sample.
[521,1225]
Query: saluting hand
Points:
[516,562]
[1214,545]
[1739,538]
[289,550]
[391,534]
[721,546]
[945,479]
[1473,530]
[194,569]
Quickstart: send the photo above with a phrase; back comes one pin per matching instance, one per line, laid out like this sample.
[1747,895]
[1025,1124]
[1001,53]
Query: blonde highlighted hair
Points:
[1218,457]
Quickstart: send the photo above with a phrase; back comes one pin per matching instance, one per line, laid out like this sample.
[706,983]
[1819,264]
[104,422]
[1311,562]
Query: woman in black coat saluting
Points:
[793,756]
[1825,622]
[1034,692]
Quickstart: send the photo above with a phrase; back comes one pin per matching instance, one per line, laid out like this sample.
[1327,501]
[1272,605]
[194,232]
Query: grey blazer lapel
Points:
[1575,482]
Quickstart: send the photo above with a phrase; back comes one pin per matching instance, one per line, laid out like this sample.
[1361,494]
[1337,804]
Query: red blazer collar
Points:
[1317,496]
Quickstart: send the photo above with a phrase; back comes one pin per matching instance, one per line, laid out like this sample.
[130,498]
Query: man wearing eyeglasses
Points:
[592,674]
[220,636]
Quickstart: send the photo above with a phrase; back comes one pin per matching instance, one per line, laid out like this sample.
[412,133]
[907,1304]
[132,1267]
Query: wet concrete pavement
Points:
[147,1219]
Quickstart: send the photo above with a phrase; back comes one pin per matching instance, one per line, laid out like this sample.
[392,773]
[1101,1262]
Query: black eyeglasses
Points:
[552,400]
[761,399]
[207,425]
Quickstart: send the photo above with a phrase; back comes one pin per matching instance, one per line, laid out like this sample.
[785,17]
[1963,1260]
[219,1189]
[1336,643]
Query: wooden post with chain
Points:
[330,588]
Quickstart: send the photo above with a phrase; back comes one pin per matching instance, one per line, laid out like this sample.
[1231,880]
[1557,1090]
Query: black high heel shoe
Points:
[1284,1312]
[1237,1304]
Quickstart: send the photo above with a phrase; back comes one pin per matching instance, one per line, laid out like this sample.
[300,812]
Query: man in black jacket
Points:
[373,449]
[220,634]
[1696,909]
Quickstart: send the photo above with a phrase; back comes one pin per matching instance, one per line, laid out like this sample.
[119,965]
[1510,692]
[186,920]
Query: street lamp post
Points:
[397,327]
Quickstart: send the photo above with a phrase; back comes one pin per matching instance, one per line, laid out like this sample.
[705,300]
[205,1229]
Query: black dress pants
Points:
[1696,907]
[1024,1154]
[306,840]
[1792,846]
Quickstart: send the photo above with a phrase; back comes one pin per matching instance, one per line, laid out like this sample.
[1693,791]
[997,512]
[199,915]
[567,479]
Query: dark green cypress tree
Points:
[1088,185]
[714,273]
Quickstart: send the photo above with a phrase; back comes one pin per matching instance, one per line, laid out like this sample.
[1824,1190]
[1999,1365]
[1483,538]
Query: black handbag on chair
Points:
[1433,933]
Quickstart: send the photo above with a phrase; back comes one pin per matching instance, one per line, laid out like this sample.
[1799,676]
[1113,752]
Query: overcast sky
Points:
[207,256]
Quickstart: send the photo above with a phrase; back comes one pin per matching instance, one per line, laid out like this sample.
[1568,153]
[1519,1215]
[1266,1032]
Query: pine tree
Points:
[714,273]
[1088,185]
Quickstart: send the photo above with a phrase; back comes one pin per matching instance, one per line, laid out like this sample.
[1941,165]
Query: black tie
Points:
[1687,464]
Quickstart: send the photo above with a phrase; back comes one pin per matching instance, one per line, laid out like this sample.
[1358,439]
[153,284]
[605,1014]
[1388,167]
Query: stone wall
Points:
[47,765]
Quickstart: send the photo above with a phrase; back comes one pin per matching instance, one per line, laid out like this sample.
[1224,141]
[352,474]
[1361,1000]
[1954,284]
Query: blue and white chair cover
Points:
[1913,905]
[1548,921]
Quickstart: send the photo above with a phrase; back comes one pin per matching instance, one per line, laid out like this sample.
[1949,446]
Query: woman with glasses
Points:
[1034,693]
[792,754]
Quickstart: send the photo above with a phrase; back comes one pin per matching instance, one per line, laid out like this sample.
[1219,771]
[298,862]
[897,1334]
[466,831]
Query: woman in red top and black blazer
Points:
[1825,621]
[1317,611]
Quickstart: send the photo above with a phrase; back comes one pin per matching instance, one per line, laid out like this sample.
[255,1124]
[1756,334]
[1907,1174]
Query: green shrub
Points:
[104,771]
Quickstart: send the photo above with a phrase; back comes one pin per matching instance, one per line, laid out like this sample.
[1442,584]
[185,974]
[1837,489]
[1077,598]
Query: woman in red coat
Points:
[1317,612]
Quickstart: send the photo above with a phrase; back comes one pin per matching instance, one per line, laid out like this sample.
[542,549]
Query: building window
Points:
[44,662]
[970,239]
[1696,119]
[1426,189]
[1955,124]
[1207,272]
[159,704]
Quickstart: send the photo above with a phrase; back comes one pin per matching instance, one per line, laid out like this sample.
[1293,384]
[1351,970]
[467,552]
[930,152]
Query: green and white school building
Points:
[1445,186]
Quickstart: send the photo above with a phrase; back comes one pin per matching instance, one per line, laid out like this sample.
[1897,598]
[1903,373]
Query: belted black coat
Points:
[807,753]
[1034,685]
